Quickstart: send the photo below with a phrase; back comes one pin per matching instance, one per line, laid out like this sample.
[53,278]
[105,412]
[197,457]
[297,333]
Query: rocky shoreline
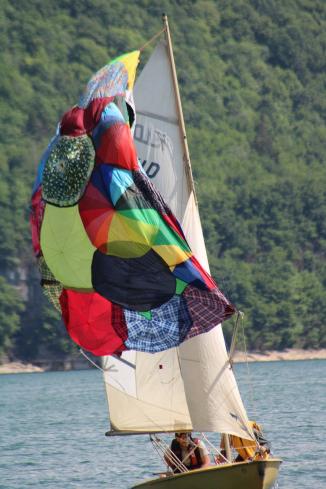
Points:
[239,357]
[285,355]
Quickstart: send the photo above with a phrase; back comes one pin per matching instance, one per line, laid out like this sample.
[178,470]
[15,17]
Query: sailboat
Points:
[192,387]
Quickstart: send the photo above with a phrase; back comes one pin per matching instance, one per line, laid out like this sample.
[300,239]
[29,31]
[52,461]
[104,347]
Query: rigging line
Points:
[179,464]
[249,379]
[175,461]
[163,448]
[152,39]
[91,361]
[171,455]
[189,454]
[213,446]
[156,448]
[122,360]
[240,316]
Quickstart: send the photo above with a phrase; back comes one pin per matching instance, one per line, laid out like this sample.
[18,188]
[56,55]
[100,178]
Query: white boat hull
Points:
[260,474]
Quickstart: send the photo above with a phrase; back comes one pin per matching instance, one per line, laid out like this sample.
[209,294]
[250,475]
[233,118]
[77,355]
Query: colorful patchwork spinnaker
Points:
[112,256]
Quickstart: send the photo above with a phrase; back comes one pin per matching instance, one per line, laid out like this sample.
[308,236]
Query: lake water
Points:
[52,428]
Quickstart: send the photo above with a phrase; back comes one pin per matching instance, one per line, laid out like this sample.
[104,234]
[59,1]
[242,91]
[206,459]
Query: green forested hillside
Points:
[252,78]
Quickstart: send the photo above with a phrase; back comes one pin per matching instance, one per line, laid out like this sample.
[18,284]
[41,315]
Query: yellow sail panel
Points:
[130,60]
[172,254]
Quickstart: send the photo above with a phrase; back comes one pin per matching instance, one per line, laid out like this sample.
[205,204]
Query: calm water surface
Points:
[52,428]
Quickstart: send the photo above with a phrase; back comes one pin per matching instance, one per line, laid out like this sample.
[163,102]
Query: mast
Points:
[226,440]
[179,108]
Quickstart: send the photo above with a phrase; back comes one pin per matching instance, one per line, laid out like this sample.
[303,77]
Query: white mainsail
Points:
[192,386]
[145,393]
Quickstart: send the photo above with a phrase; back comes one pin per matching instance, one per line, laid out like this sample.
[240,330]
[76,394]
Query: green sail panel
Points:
[66,247]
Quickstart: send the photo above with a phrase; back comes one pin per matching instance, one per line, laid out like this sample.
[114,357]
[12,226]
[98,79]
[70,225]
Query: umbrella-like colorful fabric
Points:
[51,287]
[66,248]
[93,322]
[67,170]
[111,80]
[113,255]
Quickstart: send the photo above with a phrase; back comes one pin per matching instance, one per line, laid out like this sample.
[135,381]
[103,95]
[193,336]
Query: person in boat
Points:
[245,448]
[192,452]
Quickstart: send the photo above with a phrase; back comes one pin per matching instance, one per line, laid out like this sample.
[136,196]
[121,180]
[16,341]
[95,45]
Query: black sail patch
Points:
[140,284]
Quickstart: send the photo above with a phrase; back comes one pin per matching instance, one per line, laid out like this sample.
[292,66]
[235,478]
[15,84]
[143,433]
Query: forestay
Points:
[193,386]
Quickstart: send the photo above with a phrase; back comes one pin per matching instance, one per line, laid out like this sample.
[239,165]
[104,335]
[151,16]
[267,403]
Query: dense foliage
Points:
[252,76]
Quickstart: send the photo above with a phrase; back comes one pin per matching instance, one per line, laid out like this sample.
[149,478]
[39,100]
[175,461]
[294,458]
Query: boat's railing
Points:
[166,454]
